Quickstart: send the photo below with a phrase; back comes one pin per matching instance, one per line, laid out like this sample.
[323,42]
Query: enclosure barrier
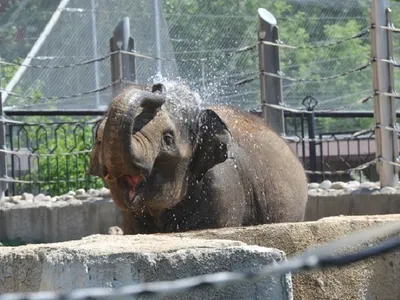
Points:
[122,55]
[318,258]
[314,259]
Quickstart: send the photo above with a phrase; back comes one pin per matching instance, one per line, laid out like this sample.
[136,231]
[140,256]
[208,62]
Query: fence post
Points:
[123,70]
[387,147]
[310,103]
[3,155]
[271,87]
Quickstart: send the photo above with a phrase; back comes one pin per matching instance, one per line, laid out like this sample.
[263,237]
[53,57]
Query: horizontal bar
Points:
[100,112]
[55,112]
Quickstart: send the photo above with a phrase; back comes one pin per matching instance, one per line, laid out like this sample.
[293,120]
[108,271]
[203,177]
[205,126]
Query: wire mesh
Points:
[197,36]
[211,45]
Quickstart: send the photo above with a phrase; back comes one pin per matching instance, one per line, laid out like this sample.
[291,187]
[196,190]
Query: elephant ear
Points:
[95,166]
[213,140]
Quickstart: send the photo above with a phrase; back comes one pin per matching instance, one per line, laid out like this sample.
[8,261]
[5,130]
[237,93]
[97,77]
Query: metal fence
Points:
[51,158]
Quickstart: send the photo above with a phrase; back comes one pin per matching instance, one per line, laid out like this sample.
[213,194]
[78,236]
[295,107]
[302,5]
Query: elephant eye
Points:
[168,139]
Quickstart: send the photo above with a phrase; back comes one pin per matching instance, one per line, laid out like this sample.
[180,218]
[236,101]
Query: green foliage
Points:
[12,243]
[61,154]
[211,26]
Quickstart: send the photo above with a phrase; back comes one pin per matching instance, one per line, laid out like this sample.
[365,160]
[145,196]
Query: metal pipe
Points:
[157,12]
[94,112]
[271,88]
[3,156]
[35,49]
[95,53]
[56,112]
[387,146]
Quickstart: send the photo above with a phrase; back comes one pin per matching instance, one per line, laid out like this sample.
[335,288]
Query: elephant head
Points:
[157,145]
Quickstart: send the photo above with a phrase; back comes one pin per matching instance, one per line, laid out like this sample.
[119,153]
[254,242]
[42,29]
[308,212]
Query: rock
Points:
[27,197]
[40,197]
[71,193]
[111,260]
[16,198]
[369,185]
[326,184]
[338,185]
[66,197]
[93,192]
[80,192]
[7,199]
[388,190]
[73,201]
[7,204]
[115,230]
[313,185]
[353,184]
[313,192]
[104,192]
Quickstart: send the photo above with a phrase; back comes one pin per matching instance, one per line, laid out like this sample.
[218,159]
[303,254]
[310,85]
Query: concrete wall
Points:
[351,198]
[372,279]
[116,261]
[82,213]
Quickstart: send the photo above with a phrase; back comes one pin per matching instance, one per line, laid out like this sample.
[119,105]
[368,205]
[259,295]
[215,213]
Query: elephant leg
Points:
[222,198]
[137,223]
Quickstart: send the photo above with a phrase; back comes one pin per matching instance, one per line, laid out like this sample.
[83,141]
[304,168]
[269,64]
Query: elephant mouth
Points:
[131,186]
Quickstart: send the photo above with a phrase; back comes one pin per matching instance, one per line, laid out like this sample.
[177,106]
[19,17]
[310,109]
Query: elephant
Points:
[174,165]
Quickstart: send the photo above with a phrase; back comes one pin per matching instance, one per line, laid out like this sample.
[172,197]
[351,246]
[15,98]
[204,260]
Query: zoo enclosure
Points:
[59,166]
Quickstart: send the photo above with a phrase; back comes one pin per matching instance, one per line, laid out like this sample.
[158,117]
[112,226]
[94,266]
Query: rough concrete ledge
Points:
[372,279]
[114,261]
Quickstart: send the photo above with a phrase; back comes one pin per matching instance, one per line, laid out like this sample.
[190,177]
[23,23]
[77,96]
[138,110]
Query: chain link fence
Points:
[198,40]
[211,45]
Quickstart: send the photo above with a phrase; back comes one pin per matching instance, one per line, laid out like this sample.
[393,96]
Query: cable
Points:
[323,45]
[100,89]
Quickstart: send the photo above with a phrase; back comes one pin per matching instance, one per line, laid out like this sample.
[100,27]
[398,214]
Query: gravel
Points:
[326,187]
[70,198]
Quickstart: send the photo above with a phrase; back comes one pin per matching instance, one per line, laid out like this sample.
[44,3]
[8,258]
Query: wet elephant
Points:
[173,165]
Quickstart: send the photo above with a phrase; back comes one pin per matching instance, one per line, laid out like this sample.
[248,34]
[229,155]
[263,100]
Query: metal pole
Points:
[122,65]
[35,48]
[310,103]
[3,146]
[157,10]
[95,53]
[271,87]
[387,146]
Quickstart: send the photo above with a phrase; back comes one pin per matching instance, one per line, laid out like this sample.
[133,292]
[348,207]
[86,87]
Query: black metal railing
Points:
[49,151]
[332,143]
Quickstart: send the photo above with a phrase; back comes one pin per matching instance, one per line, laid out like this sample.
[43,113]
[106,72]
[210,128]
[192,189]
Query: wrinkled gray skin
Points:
[95,165]
[198,167]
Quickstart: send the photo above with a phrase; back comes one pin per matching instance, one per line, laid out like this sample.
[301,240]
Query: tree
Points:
[210,27]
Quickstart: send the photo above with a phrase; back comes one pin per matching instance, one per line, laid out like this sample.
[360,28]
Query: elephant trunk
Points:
[123,154]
